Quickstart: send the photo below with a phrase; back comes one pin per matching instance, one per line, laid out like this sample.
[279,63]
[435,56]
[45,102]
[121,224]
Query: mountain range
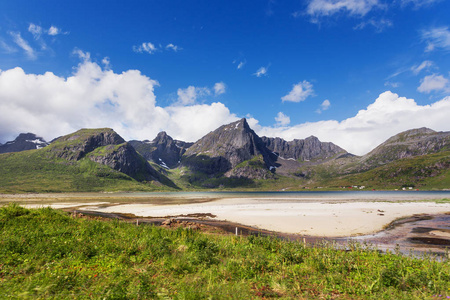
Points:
[232,156]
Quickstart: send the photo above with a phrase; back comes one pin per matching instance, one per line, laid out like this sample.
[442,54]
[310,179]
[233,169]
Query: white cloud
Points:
[189,95]
[419,3]
[23,44]
[261,72]
[92,97]
[379,25]
[392,84]
[7,48]
[324,106]
[387,116]
[219,88]
[240,65]
[85,56]
[54,30]
[35,30]
[299,92]
[173,47]
[106,62]
[319,8]
[282,119]
[434,83]
[438,37]
[423,66]
[145,47]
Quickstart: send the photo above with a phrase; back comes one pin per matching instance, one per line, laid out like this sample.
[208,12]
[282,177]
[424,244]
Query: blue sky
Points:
[353,72]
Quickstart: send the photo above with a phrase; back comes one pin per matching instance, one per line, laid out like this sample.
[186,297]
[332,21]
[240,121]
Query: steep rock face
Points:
[304,150]
[163,150]
[225,148]
[125,159]
[25,141]
[103,146]
[407,144]
[76,145]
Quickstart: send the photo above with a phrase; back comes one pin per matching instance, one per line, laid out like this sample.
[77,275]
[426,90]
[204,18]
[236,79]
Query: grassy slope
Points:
[424,172]
[32,171]
[47,254]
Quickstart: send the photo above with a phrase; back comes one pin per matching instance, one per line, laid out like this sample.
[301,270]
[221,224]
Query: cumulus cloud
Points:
[23,44]
[261,72]
[434,83]
[282,119]
[320,8]
[324,106]
[53,30]
[219,88]
[145,47]
[173,47]
[387,116]
[189,95]
[438,37]
[92,97]
[299,92]
[35,30]
[151,48]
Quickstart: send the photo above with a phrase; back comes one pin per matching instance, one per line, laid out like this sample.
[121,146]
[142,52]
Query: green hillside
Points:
[33,172]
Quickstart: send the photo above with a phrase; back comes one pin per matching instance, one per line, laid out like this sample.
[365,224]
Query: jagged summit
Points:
[308,149]
[25,141]
[163,150]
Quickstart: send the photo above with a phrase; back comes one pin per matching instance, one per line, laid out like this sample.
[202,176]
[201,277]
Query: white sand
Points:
[306,218]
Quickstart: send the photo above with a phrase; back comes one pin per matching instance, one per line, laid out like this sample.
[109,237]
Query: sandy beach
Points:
[346,215]
[306,218]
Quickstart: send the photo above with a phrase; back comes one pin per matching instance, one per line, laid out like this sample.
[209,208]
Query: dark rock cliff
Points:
[304,150]
[125,159]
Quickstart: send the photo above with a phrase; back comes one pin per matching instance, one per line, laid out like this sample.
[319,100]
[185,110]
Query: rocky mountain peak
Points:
[163,150]
[226,147]
[25,141]
[74,146]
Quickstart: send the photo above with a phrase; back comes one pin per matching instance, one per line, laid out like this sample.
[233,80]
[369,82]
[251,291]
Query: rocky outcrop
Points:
[407,144]
[225,148]
[76,145]
[25,141]
[163,150]
[105,147]
[304,150]
[125,159]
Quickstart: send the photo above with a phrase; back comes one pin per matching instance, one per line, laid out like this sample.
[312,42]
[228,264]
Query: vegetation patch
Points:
[46,253]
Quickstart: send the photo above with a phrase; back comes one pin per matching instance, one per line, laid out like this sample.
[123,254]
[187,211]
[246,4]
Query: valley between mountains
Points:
[232,157]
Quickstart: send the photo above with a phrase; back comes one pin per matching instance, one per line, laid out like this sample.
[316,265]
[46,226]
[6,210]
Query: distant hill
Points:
[25,141]
[410,143]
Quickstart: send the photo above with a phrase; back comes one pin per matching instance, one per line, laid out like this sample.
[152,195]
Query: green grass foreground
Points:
[45,253]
